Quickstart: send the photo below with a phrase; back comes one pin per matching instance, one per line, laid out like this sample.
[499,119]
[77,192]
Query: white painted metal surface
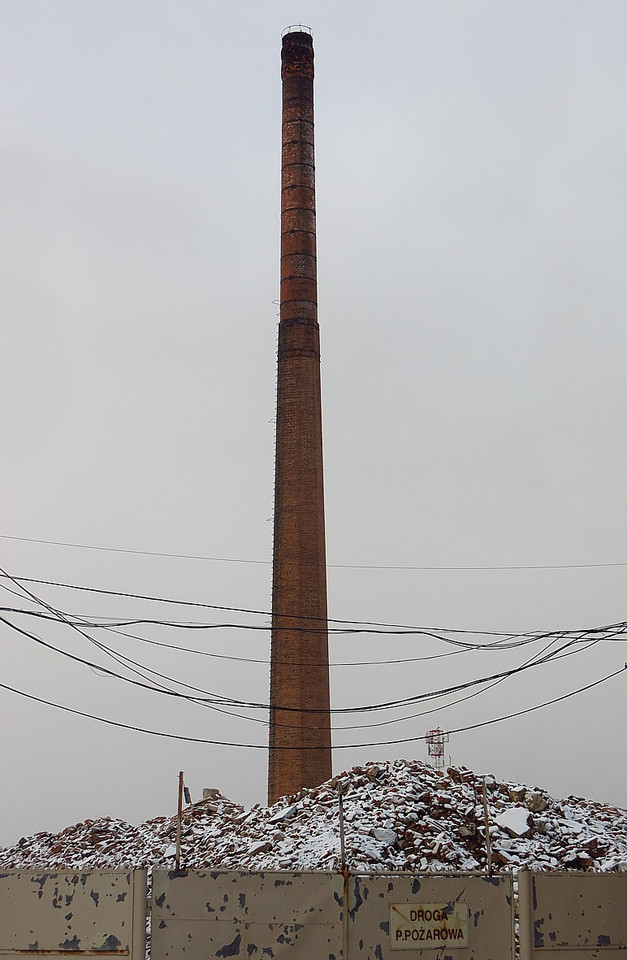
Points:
[201,914]
[73,913]
[574,916]
[479,910]
[429,926]
[212,914]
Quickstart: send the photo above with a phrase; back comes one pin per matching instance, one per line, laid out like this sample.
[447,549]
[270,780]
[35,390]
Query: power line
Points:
[231,609]
[117,658]
[336,566]
[441,707]
[233,702]
[212,698]
[346,746]
[213,704]
[215,699]
[212,701]
[363,624]
[498,645]
[360,626]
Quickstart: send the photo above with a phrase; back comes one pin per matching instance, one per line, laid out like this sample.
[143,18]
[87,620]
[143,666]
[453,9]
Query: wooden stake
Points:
[178,822]
[342,840]
[487,828]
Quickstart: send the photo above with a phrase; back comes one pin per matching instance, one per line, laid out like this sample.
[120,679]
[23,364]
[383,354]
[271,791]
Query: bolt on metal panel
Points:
[435,918]
[581,915]
[73,913]
[205,914]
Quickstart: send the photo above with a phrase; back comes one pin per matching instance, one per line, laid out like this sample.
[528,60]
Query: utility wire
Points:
[229,701]
[188,686]
[347,746]
[336,566]
[212,704]
[535,660]
[111,626]
[117,658]
[360,626]
[558,655]
[213,698]
[245,610]
[580,636]
[452,703]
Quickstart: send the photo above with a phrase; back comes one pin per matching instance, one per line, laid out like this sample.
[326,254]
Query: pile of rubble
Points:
[401,815]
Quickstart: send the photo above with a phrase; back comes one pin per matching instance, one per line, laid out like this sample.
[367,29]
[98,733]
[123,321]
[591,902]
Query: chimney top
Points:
[297,28]
[297,53]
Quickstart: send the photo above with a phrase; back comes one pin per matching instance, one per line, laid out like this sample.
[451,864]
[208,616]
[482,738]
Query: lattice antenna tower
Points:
[436,741]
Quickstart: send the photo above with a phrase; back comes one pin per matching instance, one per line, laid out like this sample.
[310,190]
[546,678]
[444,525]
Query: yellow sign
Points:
[425,926]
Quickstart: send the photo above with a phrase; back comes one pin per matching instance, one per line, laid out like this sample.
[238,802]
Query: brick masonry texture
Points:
[300,739]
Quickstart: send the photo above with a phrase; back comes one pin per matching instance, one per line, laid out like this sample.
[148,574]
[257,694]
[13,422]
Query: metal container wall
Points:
[576,916]
[278,915]
[382,907]
[204,914]
[73,913]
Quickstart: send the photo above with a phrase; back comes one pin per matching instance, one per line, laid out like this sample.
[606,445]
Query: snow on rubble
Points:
[399,815]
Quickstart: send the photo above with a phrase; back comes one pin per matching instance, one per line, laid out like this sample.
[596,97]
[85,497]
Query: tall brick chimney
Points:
[300,738]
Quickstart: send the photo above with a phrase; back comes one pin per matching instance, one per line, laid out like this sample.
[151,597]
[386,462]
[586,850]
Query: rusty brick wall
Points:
[300,740]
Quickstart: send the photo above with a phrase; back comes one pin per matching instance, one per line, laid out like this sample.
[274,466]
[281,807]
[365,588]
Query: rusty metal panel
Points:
[201,914]
[581,915]
[73,913]
[434,917]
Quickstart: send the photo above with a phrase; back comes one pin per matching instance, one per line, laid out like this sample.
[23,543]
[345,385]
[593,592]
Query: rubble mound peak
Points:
[398,815]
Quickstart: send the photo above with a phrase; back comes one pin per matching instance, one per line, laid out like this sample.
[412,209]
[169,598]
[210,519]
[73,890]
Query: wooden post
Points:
[487,827]
[178,822]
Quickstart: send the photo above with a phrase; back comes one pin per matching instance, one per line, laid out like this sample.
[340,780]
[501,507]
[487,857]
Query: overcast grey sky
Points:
[471,163]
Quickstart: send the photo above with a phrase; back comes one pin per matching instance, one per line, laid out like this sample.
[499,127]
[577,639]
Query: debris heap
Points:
[398,815]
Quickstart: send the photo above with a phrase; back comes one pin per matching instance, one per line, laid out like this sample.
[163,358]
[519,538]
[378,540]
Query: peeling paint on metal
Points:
[538,936]
[100,919]
[110,944]
[231,949]
[585,911]
[70,946]
[491,937]
[358,900]
[289,919]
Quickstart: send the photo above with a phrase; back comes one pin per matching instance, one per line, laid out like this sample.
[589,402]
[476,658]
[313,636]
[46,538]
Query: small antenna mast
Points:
[436,741]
